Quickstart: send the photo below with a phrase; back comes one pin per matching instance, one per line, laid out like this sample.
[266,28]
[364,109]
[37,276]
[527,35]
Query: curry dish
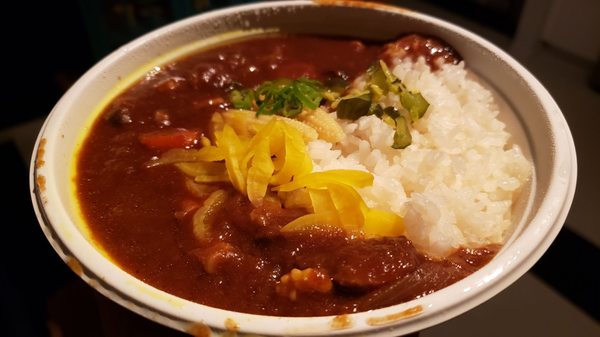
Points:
[143,205]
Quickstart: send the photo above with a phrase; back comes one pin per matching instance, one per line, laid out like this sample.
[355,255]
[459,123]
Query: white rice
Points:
[455,184]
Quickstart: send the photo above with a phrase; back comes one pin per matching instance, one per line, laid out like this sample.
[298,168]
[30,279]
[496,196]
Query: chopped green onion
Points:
[283,97]
[242,99]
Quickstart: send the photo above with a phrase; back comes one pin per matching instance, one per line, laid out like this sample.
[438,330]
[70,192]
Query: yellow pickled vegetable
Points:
[260,172]
[320,200]
[335,202]
[273,157]
[353,178]
[296,199]
[247,124]
[233,151]
[382,223]
[350,206]
[293,160]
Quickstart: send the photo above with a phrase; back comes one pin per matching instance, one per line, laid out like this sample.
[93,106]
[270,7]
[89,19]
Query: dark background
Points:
[64,38]
[47,46]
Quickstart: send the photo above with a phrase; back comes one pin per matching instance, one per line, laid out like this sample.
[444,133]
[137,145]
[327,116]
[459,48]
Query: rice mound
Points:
[455,184]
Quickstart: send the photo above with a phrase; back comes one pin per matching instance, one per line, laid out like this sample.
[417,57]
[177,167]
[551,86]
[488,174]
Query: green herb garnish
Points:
[355,106]
[414,103]
[402,137]
[381,82]
[242,99]
[283,97]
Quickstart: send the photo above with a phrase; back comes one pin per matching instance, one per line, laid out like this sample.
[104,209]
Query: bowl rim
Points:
[167,309]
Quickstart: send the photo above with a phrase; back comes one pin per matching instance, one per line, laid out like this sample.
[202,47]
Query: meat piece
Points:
[119,115]
[268,218]
[434,50]
[429,277]
[316,247]
[310,280]
[365,264]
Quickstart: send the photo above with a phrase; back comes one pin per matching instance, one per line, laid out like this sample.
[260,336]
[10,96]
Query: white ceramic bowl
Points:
[535,116]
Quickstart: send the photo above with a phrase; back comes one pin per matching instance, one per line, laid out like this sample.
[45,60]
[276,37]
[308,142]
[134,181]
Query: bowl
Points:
[534,117]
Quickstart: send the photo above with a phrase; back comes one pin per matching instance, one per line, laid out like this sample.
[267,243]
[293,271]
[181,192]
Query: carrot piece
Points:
[169,138]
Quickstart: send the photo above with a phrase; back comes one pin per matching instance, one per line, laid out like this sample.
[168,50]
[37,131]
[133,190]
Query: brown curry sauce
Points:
[135,213]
